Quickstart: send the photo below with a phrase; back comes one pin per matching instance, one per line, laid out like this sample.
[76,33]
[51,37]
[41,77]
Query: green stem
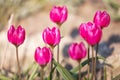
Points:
[52,48]
[93,67]
[51,70]
[79,76]
[96,60]
[42,72]
[111,75]
[58,75]
[58,53]
[88,61]
[105,73]
[18,62]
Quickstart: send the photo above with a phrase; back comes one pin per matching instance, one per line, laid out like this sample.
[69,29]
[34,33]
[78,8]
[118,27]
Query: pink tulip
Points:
[16,36]
[43,56]
[102,19]
[90,32]
[51,36]
[77,51]
[58,14]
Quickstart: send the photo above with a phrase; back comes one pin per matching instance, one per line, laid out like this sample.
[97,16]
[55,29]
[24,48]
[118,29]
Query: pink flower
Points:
[77,51]
[102,19]
[58,14]
[16,36]
[90,32]
[51,36]
[43,55]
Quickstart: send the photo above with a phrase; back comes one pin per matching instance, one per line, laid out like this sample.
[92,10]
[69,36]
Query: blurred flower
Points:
[43,55]
[102,19]
[58,14]
[16,36]
[77,51]
[90,32]
[51,36]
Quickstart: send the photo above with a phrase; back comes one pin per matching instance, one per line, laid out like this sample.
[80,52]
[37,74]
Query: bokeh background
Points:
[33,15]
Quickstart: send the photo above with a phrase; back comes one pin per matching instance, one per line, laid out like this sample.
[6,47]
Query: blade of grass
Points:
[34,72]
[51,72]
[74,70]
[4,78]
[26,72]
[116,77]
[63,72]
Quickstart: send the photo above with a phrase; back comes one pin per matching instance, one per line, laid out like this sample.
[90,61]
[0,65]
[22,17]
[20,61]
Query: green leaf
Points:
[15,77]
[116,77]
[105,73]
[4,78]
[85,78]
[34,74]
[85,63]
[63,72]
[26,72]
[51,73]
[28,69]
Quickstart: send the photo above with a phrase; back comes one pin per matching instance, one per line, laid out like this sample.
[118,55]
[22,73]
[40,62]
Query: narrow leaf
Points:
[84,63]
[28,69]
[32,76]
[105,73]
[63,72]
[51,73]
[4,78]
[116,77]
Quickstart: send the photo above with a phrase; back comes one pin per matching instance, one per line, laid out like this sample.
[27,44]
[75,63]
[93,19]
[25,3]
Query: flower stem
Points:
[42,72]
[79,76]
[88,61]
[18,62]
[105,73]
[51,70]
[52,48]
[97,46]
[58,75]
[58,53]
[93,62]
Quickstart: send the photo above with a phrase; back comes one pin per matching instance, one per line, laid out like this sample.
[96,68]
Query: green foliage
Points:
[34,73]
[4,78]
[51,73]
[66,75]
[84,63]
[63,72]
[116,77]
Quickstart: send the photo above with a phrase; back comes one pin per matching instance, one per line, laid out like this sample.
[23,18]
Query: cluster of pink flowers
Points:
[90,31]
[51,36]
[102,19]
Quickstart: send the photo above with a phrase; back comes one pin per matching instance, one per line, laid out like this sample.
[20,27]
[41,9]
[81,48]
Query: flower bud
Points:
[16,36]
[77,51]
[102,19]
[51,36]
[90,32]
[43,55]
[58,14]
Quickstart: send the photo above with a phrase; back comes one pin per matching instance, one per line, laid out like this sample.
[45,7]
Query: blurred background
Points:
[33,15]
